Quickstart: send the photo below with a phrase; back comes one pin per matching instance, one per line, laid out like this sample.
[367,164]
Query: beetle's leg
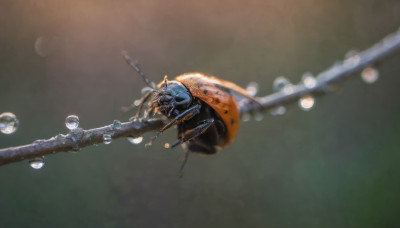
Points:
[186,115]
[193,133]
[144,99]
[184,161]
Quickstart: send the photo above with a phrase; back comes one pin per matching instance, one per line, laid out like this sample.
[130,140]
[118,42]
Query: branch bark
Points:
[79,138]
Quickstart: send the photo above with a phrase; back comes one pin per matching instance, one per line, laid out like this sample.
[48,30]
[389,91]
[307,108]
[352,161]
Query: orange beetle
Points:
[204,107]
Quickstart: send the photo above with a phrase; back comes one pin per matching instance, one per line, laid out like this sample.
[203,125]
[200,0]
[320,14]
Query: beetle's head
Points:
[171,98]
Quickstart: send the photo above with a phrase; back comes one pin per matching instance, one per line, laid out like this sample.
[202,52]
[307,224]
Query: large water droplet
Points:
[8,123]
[309,80]
[72,122]
[306,102]
[252,89]
[107,138]
[117,124]
[136,140]
[370,75]
[166,145]
[280,83]
[36,163]
[246,117]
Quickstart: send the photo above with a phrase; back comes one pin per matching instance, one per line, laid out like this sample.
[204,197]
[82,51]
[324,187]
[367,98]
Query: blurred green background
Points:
[335,166]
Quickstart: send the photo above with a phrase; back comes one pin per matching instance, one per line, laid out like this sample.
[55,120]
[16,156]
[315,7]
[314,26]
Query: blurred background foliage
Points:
[335,166]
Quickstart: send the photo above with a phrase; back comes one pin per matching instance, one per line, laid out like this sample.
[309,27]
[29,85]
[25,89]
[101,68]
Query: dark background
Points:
[335,166]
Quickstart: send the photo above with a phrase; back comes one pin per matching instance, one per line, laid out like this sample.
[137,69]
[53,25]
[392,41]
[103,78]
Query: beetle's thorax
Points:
[171,98]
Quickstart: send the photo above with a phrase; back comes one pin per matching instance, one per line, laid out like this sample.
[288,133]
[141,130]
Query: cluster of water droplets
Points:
[252,89]
[306,102]
[280,84]
[8,123]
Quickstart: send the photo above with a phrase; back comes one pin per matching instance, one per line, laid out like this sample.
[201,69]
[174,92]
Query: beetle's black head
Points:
[171,98]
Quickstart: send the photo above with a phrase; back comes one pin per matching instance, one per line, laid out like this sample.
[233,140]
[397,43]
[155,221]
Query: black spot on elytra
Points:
[222,88]
[199,84]
[232,121]
[205,91]
[226,112]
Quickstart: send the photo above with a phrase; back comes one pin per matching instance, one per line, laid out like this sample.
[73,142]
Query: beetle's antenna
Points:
[136,67]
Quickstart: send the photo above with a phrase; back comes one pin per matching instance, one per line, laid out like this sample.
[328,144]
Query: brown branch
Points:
[76,139]
[80,138]
[390,45]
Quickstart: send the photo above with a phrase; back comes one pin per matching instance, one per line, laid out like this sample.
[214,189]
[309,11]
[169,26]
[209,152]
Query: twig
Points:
[76,139]
[324,80]
[80,138]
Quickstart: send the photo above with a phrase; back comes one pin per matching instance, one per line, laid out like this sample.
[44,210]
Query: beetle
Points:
[205,109]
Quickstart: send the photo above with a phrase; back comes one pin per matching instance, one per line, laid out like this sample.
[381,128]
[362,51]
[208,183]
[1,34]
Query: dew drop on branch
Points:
[252,89]
[36,163]
[136,140]
[137,102]
[72,122]
[166,145]
[280,83]
[306,102]
[107,138]
[308,80]
[370,75]
[117,124]
[352,58]
[8,123]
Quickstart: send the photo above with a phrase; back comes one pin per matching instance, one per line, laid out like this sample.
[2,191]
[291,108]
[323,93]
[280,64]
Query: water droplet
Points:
[8,123]
[117,124]
[166,145]
[309,80]
[137,102]
[146,90]
[246,117]
[136,140]
[288,89]
[72,122]
[258,116]
[280,83]
[252,89]
[36,163]
[42,46]
[352,58]
[107,138]
[133,119]
[306,102]
[278,111]
[370,75]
